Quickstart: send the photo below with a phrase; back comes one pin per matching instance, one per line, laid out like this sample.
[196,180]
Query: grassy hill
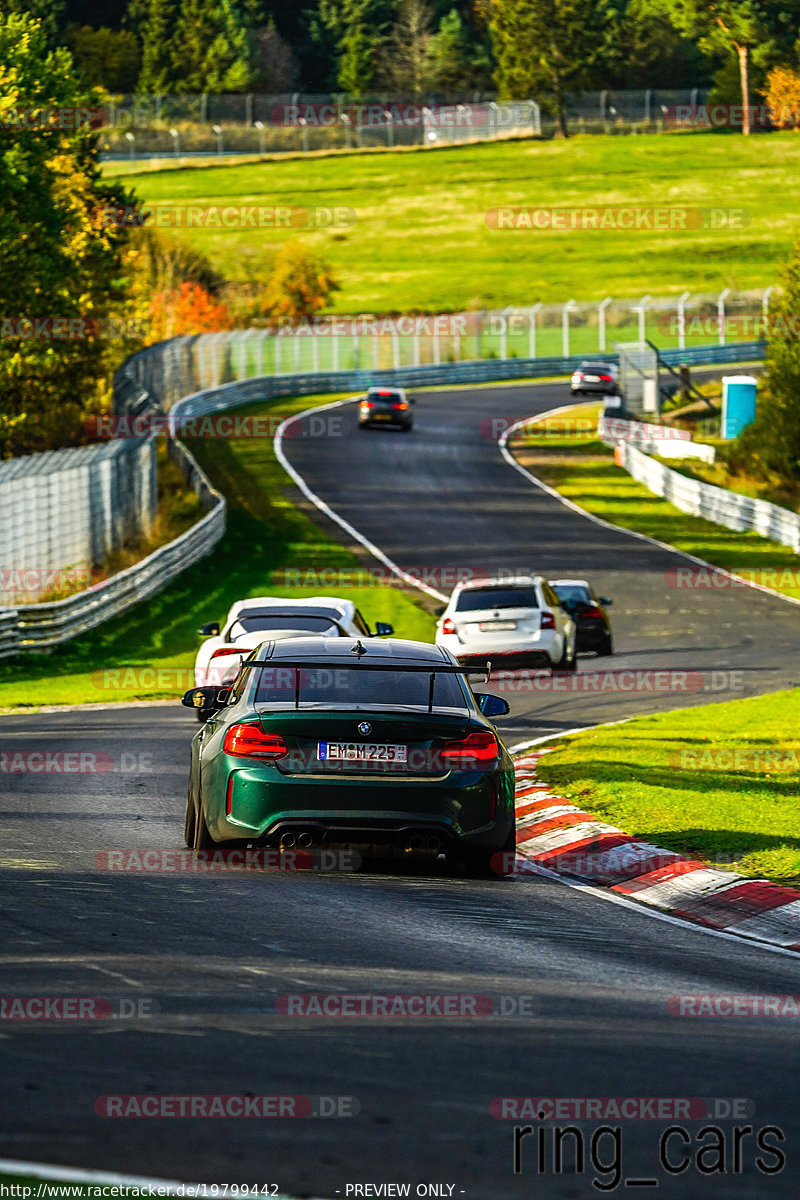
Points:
[420,240]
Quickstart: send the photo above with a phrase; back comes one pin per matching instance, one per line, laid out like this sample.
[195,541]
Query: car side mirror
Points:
[209,630]
[206,697]
[606,601]
[383,629]
[490,705]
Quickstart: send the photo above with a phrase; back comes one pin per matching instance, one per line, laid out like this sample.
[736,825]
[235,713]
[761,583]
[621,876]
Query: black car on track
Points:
[588,611]
[388,406]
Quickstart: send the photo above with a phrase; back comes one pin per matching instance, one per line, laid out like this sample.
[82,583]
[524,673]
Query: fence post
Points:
[601,322]
[566,309]
[684,296]
[641,310]
[648,97]
[721,298]
[532,313]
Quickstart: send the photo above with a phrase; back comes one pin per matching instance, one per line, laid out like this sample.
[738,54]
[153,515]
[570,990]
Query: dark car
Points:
[595,377]
[338,741]
[588,612]
[386,406]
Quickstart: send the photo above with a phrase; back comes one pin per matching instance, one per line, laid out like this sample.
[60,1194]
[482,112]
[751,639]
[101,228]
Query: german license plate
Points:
[496,626]
[591,378]
[382,417]
[361,752]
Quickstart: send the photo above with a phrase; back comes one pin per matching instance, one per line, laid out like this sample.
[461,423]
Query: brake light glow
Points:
[250,741]
[547,620]
[606,378]
[400,405]
[591,612]
[477,749]
[225,650]
[448,626]
[367,404]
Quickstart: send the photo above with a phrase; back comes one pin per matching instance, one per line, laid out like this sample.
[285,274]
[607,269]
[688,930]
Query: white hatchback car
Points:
[512,622]
[221,654]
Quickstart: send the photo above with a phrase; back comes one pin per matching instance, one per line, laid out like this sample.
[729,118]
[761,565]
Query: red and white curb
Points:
[558,836]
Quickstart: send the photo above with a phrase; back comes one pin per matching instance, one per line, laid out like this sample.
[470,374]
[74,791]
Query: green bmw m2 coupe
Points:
[335,741]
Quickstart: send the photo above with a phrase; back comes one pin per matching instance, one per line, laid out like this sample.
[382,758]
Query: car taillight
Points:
[367,404]
[401,405]
[226,650]
[547,621]
[448,626]
[591,611]
[606,378]
[477,749]
[250,741]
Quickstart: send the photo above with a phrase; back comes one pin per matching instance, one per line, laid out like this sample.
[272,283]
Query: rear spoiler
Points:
[310,664]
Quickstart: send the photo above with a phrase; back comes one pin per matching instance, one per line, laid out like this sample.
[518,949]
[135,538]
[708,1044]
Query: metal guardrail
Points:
[742,513]
[39,626]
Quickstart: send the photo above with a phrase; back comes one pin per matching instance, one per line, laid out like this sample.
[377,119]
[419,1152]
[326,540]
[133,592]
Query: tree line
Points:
[546,49]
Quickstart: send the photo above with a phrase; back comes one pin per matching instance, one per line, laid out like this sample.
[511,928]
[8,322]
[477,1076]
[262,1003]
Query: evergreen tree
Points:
[211,49]
[547,49]
[155,30]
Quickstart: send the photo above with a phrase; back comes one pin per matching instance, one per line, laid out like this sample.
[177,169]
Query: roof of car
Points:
[494,581]
[568,583]
[391,651]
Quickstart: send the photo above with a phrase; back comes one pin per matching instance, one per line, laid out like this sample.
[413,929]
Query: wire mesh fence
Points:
[144,126]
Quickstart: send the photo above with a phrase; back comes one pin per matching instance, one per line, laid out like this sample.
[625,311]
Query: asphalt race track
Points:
[443,497]
[580,986]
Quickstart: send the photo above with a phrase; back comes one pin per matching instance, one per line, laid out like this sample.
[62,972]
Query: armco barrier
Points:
[716,504]
[39,626]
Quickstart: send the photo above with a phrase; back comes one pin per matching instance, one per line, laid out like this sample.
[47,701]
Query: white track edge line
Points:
[319,503]
[643,537]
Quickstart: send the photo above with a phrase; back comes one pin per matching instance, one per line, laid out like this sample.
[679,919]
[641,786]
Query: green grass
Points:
[421,242]
[149,652]
[583,470]
[675,782]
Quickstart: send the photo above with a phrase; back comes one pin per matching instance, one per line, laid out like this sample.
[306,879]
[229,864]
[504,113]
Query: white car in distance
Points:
[248,622]
[513,622]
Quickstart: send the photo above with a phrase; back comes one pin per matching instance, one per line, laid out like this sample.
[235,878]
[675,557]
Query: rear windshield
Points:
[472,599]
[320,625]
[350,688]
[571,592]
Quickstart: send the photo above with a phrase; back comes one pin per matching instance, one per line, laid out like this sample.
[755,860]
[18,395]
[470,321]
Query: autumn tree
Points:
[57,261]
[301,283]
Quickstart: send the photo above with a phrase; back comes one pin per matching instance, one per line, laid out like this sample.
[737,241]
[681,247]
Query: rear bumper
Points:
[589,637]
[541,650]
[477,811]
